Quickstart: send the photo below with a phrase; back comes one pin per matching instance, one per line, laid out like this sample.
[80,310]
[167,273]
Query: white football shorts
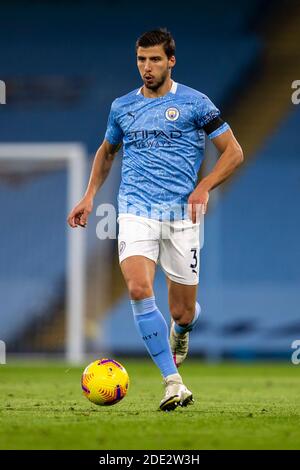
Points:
[174,245]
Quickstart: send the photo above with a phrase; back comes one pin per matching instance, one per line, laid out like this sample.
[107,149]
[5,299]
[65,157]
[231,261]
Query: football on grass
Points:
[105,382]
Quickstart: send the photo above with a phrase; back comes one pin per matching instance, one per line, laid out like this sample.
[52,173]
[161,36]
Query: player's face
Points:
[154,66]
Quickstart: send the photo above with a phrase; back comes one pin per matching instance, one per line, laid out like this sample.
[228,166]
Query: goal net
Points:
[43,262]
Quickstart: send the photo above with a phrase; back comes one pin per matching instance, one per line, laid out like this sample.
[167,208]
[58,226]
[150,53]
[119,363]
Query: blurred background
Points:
[63,64]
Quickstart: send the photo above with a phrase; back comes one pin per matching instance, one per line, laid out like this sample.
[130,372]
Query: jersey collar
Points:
[173,89]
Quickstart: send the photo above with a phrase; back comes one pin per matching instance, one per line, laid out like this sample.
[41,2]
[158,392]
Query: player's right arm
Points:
[101,166]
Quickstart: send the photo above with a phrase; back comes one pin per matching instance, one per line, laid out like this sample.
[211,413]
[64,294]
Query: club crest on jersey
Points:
[172,114]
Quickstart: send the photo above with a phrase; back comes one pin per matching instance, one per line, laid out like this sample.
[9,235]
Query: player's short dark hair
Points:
[157,37]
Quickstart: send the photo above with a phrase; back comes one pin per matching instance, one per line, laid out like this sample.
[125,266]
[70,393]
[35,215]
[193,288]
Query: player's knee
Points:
[182,314]
[139,290]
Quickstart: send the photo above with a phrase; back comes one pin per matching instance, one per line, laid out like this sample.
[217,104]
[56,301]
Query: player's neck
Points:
[161,91]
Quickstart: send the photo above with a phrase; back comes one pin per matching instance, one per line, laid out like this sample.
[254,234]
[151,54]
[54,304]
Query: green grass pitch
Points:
[236,407]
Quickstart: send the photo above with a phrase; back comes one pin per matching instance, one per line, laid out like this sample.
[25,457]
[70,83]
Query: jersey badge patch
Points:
[172,114]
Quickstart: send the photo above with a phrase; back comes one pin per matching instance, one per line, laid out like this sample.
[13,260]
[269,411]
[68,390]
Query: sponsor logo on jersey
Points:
[155,133]
[172,114]
[155,138]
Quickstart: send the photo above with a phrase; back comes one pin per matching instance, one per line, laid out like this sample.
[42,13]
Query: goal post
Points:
[73,157]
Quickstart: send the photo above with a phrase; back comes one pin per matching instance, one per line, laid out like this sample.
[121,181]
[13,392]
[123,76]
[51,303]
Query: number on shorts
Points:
[194,265]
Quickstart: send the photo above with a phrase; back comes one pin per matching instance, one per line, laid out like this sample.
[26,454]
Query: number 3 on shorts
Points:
[194,264]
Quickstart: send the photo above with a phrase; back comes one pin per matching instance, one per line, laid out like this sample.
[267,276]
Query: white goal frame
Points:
[74,156]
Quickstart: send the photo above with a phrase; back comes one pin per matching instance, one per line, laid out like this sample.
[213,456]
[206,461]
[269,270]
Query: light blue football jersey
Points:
[163,148]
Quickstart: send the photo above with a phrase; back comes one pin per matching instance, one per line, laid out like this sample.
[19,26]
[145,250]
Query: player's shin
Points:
[153,329]
[181,329]
[179,337]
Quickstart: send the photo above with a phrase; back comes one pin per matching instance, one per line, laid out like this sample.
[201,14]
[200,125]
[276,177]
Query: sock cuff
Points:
[144,306]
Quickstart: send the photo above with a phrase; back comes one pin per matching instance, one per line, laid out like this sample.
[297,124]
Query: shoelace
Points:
[172,382]
[181,343]
[168,391]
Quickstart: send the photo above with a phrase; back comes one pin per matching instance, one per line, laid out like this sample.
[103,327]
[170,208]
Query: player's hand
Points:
[79,215]
[197,204]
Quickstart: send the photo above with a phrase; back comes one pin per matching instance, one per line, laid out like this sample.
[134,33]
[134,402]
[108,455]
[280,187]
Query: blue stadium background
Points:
[63,64]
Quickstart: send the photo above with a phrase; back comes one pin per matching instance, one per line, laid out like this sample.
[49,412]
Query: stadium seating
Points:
[79,70]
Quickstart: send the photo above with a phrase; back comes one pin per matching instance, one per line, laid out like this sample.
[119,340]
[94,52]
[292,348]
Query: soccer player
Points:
[161,125]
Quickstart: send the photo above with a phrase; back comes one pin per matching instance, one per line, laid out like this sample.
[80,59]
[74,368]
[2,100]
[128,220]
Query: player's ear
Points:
[172,62]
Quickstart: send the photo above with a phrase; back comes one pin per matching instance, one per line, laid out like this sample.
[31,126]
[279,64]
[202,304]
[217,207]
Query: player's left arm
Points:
[231,157]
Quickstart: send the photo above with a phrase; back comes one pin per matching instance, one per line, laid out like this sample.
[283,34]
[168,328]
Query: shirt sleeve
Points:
[114,133]
[208,118]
